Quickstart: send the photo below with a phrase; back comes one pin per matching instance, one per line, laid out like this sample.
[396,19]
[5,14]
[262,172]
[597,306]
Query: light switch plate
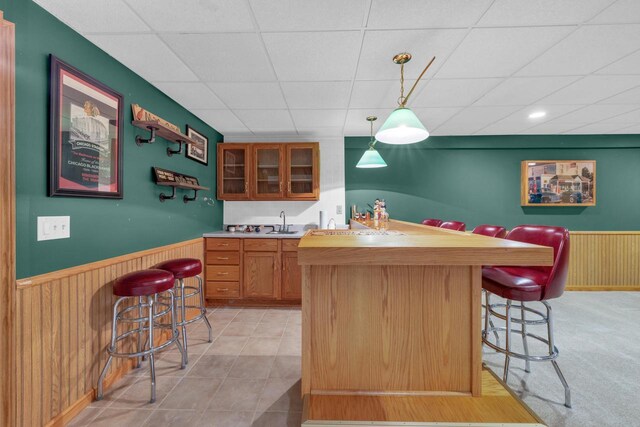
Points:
[54,227]
[339,210]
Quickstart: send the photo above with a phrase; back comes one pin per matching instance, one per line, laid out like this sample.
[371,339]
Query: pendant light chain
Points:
[402,100]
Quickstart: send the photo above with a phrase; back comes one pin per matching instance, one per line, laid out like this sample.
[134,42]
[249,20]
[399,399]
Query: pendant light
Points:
[403,126]
[371,158]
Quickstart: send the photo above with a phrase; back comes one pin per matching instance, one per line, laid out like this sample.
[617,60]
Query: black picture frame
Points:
[194,153]
[85,135]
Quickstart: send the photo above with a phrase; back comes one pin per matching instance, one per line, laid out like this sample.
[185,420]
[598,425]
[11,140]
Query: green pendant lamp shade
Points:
[402,127]
[371,159]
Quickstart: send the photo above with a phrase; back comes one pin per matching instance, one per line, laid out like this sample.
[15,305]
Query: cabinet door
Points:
[233,171]
[268,172]
[261,275]
[291,276]
[302,162]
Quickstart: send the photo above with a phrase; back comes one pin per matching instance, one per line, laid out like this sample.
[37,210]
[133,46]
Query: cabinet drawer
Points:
[214,243]
[224,258]
[223,272]
[260,245]
[290,245]
[223,289]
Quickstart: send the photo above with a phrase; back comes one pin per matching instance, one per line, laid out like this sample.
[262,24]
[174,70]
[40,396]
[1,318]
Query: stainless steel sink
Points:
[282,232]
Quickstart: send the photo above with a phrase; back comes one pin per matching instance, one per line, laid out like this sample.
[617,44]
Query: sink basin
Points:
[282,232]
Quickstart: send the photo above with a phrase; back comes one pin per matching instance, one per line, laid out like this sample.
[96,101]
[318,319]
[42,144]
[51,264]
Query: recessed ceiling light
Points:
[537,114]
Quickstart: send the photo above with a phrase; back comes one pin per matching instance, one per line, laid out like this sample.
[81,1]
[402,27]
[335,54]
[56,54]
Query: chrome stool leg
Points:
[111,349]
[523,332]
[174,329]
[505,375]
[183,320]
[552,349]
[488,321]
[140,331]
[203,308]
[152,364]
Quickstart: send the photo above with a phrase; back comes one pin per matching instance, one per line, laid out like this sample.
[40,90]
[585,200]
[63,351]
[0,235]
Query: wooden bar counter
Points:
[397,313]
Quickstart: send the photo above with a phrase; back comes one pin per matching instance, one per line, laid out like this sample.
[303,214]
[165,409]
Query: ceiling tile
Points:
[628,65]
[320,132]
[425,13]
[453,92]
[549,128]
[210,16]
[376,93]
[431,118]
[588,49]
[320,118]
[316,95]
[265,119]
[472,119]
[496,52]
[514,13]
[191,94]
[520,121]
[250,95]
[379,47]
[595,113]
[292,15]
[314,55]
[631,117]
[524,90]
[224,121]
[620,12]
[596,129]
[631,96]
[223,57]
[592,89]
[106,16]
[632,129]
[151,58]
[356,123]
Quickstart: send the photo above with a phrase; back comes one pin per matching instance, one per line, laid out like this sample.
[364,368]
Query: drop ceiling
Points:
[318,68]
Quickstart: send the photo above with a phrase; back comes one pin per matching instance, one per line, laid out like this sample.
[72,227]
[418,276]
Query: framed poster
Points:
[85,141]
[198,154]
[558,183]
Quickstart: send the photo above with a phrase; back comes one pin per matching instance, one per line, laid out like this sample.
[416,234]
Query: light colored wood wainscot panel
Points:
[64,326]
[601,261]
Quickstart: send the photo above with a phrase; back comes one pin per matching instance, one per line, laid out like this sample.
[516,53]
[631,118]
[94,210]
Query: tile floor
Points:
[248,376]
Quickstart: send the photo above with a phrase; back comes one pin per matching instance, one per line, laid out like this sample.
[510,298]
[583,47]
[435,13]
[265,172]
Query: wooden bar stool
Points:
[184,268]
[141,285]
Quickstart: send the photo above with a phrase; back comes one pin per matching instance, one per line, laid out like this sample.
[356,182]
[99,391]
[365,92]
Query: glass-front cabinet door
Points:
[302,171]
[267,172]
[233,171]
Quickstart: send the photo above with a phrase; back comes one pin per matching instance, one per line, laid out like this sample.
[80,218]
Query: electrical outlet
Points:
[54,227]
[339,210]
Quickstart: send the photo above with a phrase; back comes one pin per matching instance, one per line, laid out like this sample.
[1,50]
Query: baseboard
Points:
[603,288]
[76,407]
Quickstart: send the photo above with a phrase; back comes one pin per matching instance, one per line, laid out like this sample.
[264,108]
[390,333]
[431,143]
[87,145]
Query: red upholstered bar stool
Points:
[184,268]
[432,222]
[454,225]
[528,285]
[144,287]
[491,231]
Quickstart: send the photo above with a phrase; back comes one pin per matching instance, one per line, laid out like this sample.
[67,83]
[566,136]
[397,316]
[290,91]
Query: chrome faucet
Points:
[284,221]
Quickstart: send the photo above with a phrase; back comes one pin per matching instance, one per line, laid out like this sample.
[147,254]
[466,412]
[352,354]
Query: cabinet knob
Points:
[223,244]
[223,273]
[289,186]
[223,257]
[223,289]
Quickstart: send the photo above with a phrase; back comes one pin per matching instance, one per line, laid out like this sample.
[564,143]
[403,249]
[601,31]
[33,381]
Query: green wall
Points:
[100,228]
[477,179]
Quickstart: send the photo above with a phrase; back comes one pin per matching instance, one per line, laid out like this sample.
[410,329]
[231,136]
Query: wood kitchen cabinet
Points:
[269,171]
[234,165]
[252,271]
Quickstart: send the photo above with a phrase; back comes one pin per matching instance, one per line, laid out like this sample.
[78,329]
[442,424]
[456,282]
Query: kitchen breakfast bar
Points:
[391,326]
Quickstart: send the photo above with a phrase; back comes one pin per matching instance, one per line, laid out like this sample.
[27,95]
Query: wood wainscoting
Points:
[63,323]
[604,261]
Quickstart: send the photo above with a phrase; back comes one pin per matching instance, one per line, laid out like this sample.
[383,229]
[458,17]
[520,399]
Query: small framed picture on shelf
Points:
[85,146]
[195,153]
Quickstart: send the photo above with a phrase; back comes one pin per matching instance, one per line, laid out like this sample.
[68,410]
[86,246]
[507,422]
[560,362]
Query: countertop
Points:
[263,234]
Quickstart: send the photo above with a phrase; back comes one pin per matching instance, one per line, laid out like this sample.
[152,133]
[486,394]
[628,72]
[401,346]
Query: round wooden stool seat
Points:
[182,268]
[143,283]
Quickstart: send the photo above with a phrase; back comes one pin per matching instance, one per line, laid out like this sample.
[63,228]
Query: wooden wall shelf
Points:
[175,180]
[165,132]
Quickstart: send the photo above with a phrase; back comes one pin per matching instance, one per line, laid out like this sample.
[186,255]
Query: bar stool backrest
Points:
[558,239]
[433,222]
[453,225]
[491,231]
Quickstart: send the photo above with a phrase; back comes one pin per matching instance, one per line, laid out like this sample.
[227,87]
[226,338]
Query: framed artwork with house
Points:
[558,183]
